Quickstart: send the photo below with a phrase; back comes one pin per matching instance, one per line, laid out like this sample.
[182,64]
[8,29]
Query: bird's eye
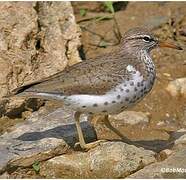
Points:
[147,39]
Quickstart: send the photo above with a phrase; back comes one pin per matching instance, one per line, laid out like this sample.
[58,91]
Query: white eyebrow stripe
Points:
[140,36]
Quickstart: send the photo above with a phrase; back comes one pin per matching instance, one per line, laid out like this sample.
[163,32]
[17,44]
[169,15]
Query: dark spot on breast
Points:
[121,89]
[131,101]
[118,96]
[132,83]
[113,102]
[126,99]
[135,89]
[83,106]
[138,84]
[134,72]
[105,103]
[152,82]
[95,105]
[127,90]
[104,111]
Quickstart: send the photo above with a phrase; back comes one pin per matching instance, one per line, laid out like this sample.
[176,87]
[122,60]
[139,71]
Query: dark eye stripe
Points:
[148,38]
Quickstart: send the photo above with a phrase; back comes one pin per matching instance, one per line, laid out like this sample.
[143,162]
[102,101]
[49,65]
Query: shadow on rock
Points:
[159,145]
[66,132]
[69,134]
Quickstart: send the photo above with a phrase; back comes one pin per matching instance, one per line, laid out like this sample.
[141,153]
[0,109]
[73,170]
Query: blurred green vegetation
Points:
[36,166]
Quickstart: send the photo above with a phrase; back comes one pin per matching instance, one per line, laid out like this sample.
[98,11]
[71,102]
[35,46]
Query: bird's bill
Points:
[169,45]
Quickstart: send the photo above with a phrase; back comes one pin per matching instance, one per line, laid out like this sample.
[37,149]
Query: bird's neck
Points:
[144,57]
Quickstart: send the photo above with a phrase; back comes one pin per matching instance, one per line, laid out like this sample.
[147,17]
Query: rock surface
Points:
[180,139]
[173,167]
[47,134]
[177,87]
[109,160]
[135,126]
[37,39]
[39,138]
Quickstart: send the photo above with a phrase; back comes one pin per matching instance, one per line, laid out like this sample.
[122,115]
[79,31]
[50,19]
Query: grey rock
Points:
[180,139]
[109,160]
[47,134]
[173,167]
[41,137]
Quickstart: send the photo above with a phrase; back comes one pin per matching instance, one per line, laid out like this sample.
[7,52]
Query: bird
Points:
[107,84]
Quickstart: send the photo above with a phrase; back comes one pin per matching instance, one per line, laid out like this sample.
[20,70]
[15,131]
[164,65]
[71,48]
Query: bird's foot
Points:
[87,147]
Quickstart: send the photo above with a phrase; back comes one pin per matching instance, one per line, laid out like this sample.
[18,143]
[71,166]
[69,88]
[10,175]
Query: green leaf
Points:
[82,12]
[36,166]
[103,44]
[101,18]
[109,6]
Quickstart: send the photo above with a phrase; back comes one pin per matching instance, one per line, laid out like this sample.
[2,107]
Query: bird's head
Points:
[142,39]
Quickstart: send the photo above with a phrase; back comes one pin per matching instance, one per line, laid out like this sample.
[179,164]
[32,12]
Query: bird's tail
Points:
[30,90]
[21,91]
[25,92]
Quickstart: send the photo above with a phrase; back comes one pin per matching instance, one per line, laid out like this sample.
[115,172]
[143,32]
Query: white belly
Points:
[116,100]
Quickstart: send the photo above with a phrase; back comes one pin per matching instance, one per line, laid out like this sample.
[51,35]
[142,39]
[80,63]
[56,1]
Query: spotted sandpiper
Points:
[105,85]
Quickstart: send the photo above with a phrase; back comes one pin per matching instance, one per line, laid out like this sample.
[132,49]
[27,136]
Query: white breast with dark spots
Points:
[117,99]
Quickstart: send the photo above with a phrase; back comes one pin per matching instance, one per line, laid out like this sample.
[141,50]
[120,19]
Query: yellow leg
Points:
[106,121]
[80,135]
[109,126]
[79,130]
[125,139]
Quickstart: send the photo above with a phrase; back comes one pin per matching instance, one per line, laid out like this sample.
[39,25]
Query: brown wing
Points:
[88,77]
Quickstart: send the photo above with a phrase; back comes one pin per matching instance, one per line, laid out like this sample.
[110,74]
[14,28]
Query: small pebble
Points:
[164,154]
[167,74]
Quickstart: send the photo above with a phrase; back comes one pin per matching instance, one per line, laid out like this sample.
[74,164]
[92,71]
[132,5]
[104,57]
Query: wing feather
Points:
[88,77]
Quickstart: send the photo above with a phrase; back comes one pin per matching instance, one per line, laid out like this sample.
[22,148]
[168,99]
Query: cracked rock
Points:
[37,39]
[109,160]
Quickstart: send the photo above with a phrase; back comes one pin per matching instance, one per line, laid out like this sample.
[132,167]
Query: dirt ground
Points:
[168,22]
